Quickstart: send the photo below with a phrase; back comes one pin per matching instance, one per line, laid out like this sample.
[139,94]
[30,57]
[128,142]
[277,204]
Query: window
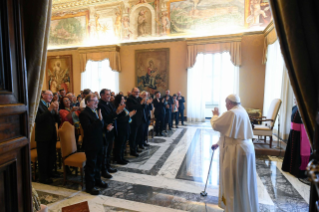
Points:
[209,82]
[99,75]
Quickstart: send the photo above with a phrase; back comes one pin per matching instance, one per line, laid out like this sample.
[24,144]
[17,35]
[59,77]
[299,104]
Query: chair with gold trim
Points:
[70,156]
[58,148]
[267,122]
[33,153]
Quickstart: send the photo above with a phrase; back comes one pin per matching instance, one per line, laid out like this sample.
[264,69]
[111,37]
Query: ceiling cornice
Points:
[79,3]
[269,28]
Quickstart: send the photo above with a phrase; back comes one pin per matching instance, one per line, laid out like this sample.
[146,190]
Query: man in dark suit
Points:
[168,100]
[145,120]
[159,113]
[93,127]
[181,107]
[109,113]
[133,102]
[46,136]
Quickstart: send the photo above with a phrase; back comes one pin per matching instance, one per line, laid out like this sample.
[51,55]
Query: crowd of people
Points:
[108,122]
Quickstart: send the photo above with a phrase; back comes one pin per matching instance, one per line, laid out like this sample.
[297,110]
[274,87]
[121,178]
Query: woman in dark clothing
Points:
[295,160]
[123,128]
[159,113]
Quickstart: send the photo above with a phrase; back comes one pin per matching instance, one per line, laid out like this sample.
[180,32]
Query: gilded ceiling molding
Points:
[269,28]
[110,48]
[214,39]
[152,41]
[78,3]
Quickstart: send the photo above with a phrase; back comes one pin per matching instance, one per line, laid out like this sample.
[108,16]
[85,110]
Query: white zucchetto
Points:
[234,98]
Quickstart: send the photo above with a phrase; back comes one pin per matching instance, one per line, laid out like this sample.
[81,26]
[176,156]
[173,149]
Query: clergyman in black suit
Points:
[181,107]
[46,136]
[148,109]
[159,113]
[168,114]
[133,102]
[110,114]
[93,127]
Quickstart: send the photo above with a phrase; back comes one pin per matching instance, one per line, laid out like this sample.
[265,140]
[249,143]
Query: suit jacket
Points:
[123,124]
[45,124]
[148,110]
[93,130]
[181,103]
[170,102]
[109,116]
[133,103]
[159,107]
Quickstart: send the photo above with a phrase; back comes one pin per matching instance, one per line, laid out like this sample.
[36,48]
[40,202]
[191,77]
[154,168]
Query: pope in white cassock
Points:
[237,181]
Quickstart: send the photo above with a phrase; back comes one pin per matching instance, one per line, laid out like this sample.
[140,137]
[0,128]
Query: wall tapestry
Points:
[59,73]
[152,68]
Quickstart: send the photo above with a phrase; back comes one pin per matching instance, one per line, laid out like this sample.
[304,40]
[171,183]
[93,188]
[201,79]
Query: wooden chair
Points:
[70,156]
[58,148]
[267,122]
[33,153]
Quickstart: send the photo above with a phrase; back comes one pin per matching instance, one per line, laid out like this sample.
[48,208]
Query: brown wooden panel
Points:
[15,177]
[9,127]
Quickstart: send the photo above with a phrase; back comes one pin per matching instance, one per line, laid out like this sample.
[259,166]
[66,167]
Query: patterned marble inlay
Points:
[161,197]
[158,165]
[281,191]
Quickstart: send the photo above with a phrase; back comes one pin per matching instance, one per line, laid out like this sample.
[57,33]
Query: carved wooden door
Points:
[15,179]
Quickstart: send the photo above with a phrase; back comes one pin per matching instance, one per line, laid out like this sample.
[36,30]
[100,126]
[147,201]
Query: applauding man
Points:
[93,127]
[46,136]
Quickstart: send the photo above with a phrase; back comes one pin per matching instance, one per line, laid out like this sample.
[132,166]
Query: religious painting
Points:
[152,68]
[59,73]
[257,13]
[69,30]
[206,17]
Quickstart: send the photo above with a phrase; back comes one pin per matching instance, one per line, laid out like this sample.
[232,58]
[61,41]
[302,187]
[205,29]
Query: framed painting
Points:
[151,69]
[59,73]
[69,29]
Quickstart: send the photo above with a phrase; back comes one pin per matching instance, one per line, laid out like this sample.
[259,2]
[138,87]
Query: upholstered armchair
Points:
[70,156]
[267,122]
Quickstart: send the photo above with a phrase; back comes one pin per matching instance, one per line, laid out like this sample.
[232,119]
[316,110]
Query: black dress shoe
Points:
[147,145]
[138,151]
[142,147]
[170,128]
[157,134]
[162,134]
[106,174]
[176,126]
[46,181]
[102,184]
[126,161]
[111,170]
[121,162]
[134,154]
[93,191]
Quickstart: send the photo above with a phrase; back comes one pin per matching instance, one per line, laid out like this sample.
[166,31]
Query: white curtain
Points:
[99,75]
[277,85]
[210,81]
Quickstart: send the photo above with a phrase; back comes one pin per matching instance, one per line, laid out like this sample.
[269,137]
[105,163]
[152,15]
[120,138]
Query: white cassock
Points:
[237,181]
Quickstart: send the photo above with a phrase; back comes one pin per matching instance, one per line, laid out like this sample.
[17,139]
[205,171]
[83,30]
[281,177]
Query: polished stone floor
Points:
[170,175]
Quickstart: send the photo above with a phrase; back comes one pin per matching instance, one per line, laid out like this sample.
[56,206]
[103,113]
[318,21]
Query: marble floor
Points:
[169,176]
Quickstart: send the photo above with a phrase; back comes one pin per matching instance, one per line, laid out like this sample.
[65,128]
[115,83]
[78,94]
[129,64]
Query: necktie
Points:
[97,115]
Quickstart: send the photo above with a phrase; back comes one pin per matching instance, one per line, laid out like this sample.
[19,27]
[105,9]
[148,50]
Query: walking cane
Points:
[204,193]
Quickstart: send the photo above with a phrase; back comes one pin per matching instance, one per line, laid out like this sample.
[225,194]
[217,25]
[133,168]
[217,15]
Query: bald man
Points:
[45,136]
[238,182]
[134,102]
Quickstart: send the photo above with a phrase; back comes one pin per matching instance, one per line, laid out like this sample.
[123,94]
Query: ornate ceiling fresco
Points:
[105,22]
